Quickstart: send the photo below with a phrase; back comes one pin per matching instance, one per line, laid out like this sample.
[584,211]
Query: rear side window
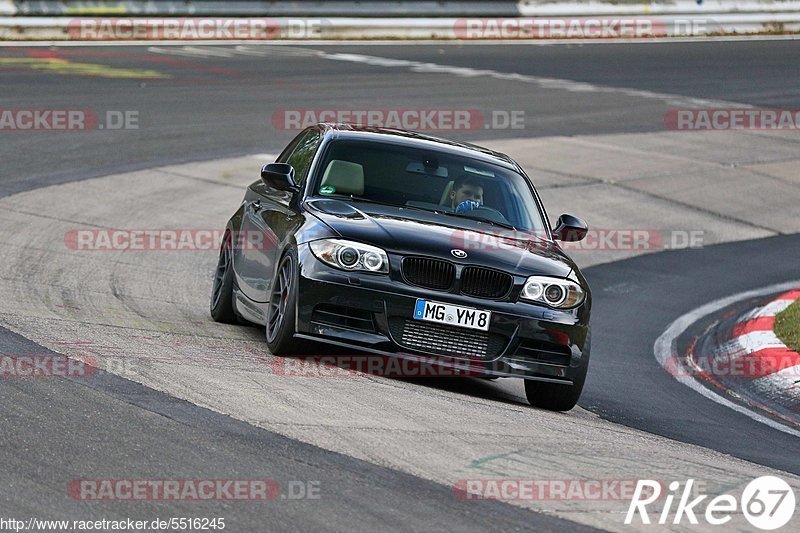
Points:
[303,155]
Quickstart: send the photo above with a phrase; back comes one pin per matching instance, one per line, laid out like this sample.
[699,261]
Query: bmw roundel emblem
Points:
[461,254]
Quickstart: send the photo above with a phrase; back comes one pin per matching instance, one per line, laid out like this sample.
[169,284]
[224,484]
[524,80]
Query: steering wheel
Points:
[489,213]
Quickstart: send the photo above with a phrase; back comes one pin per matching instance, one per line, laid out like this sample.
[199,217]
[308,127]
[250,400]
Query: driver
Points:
[467,194]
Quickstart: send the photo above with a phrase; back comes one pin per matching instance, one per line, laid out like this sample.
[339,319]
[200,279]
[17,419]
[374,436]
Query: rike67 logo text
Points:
[767,503]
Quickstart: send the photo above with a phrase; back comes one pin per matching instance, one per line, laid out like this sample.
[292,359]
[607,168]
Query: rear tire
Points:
[555,396]
[281,309]
[222,289]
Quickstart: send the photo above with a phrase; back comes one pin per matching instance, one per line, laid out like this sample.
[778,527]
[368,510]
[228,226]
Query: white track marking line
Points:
[544,83]
[194,51]
[468,72]
[666,345]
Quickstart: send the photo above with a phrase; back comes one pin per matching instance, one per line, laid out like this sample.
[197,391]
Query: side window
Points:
[303,154]
[289,149]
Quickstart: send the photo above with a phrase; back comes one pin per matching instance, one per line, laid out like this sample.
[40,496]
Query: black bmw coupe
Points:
[400,244]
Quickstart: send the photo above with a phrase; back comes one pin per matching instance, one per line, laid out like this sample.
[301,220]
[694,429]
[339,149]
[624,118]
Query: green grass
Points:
[787,326]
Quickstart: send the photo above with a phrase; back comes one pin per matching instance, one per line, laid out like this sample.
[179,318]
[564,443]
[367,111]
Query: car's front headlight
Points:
[349,255]
[555,292]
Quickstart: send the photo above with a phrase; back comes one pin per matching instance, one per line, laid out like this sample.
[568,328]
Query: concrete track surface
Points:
[183,397]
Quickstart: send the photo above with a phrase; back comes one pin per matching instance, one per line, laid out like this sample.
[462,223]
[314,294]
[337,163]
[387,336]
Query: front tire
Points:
[555,396]
[222,288]
[281,309]
[552,396]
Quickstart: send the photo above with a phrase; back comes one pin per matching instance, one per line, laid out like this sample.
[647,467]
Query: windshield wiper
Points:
[443,212]
[481,219]
[357,199]
[417,208]
[459,215]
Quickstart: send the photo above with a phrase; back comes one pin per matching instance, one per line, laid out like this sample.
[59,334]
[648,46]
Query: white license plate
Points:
[453,315]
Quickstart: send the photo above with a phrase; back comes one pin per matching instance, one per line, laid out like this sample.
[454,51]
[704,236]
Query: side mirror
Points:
[279,176]
[570,229]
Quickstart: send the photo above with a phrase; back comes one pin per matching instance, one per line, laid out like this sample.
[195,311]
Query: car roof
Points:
[415,139]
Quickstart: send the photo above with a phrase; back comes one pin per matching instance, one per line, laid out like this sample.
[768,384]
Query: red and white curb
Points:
[757,369]
[785,380]
[754,347]
[745,359]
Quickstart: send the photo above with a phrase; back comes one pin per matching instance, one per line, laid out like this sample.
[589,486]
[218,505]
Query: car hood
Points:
[413,232]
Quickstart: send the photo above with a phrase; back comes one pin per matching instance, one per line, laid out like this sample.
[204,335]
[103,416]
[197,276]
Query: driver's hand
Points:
[467,205]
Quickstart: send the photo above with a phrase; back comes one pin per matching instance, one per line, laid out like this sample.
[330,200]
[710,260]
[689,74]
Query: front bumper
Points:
[373,313]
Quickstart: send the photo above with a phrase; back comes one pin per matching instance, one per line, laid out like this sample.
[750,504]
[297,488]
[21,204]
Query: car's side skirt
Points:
[249,310]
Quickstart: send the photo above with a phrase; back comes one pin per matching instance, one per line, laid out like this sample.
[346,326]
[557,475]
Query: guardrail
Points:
[393,8]
[390,19]
[328,8]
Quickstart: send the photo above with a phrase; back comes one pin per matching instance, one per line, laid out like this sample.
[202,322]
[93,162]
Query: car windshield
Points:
[428,179]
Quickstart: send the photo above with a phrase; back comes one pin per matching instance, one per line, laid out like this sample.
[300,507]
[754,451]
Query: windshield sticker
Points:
[327,189]
[479,172]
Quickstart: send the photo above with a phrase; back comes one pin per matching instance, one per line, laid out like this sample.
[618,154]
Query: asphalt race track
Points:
[218,105]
